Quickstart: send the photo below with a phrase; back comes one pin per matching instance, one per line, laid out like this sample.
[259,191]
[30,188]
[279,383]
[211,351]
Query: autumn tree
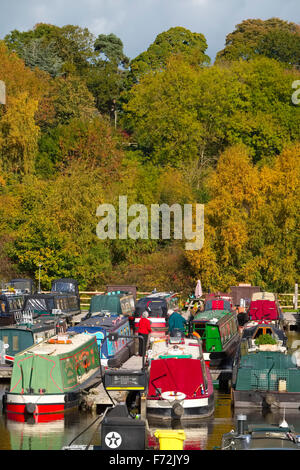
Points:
[19,135]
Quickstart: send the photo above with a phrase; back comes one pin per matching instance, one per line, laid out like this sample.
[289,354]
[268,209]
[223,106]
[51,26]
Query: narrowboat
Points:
[11,306]
[217,303]
[180,385]
[157,305]
[264,309]
[220,336]
[66,285]
[260,436]
[53,303]
[252,331]
[26,332]
[113,303]
[219,296]
[113,353]
[23,286]
[49,377]
[266,376]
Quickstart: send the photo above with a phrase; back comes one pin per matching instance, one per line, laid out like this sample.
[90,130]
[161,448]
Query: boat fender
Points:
[177,409]
[30,408]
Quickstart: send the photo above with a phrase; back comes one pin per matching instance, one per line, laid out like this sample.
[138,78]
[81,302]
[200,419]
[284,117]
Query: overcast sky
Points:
[137,22]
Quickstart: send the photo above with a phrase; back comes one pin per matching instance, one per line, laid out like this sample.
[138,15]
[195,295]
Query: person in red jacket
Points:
[144,330]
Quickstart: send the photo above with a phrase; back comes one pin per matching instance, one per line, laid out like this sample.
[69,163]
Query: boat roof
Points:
[158,295]
[161,347]
[55,349]
[102,321]
[263,296]
[210,315]
[250,330]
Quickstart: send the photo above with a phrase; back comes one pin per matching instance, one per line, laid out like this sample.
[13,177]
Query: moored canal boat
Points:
[260,437]
[113,353]
[53,303]
[11,306]
[220,336]
[27,332]
[180,384]
[266,377]
[49,377]
[112,303]
[157,305]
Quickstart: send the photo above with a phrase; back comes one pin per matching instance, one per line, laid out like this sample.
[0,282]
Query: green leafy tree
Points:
[249,39]
[174,41]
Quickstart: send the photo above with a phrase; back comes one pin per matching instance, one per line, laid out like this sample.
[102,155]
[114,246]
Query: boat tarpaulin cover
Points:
[217,304]
[177,375]
[263,310]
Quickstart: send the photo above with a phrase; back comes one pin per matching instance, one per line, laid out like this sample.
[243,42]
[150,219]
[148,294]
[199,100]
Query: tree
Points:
[283,46]
[111,47]
[19,135]
[70,46]
[247,40]
[184,115]
[174,41]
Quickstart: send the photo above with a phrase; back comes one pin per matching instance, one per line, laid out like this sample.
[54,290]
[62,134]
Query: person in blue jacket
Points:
[176,320]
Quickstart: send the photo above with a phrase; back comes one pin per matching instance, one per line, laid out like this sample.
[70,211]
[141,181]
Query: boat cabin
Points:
[112,303]
[219,333]
[16,338]
[157,305]
[65,305]
[113,353]
[23,286]
[215,331]
[253,331]
[217,304]
[66,285]
[11,305]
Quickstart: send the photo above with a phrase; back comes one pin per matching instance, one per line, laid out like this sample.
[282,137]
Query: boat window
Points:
[15,343]
[72,303]
[50,303]
[59,304]
[3,307]
[37,305]
[5,339]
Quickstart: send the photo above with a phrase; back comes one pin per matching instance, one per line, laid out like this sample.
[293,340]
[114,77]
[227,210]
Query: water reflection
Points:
[205,435]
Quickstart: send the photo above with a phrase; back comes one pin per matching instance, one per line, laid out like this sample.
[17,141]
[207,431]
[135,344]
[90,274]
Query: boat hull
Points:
[222,359]
[193,409]
[36,404]
[265,399]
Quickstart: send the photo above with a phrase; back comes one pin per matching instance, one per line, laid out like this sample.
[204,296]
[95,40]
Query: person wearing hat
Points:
[144,330]
[176,321]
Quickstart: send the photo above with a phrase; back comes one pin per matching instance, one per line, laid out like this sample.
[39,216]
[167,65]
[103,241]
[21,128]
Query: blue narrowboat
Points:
[112,353]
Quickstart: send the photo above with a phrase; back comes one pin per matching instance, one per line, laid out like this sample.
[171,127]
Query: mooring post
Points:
[296,297]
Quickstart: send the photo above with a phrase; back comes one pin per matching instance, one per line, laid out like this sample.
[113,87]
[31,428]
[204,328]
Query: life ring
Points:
[172,396]
[59,341]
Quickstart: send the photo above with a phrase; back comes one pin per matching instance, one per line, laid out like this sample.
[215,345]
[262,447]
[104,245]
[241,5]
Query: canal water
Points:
[82,428]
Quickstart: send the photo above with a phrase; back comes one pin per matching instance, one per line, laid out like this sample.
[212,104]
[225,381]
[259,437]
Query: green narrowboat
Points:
[112,303]
[266,378]
[220,336]
[49,377]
